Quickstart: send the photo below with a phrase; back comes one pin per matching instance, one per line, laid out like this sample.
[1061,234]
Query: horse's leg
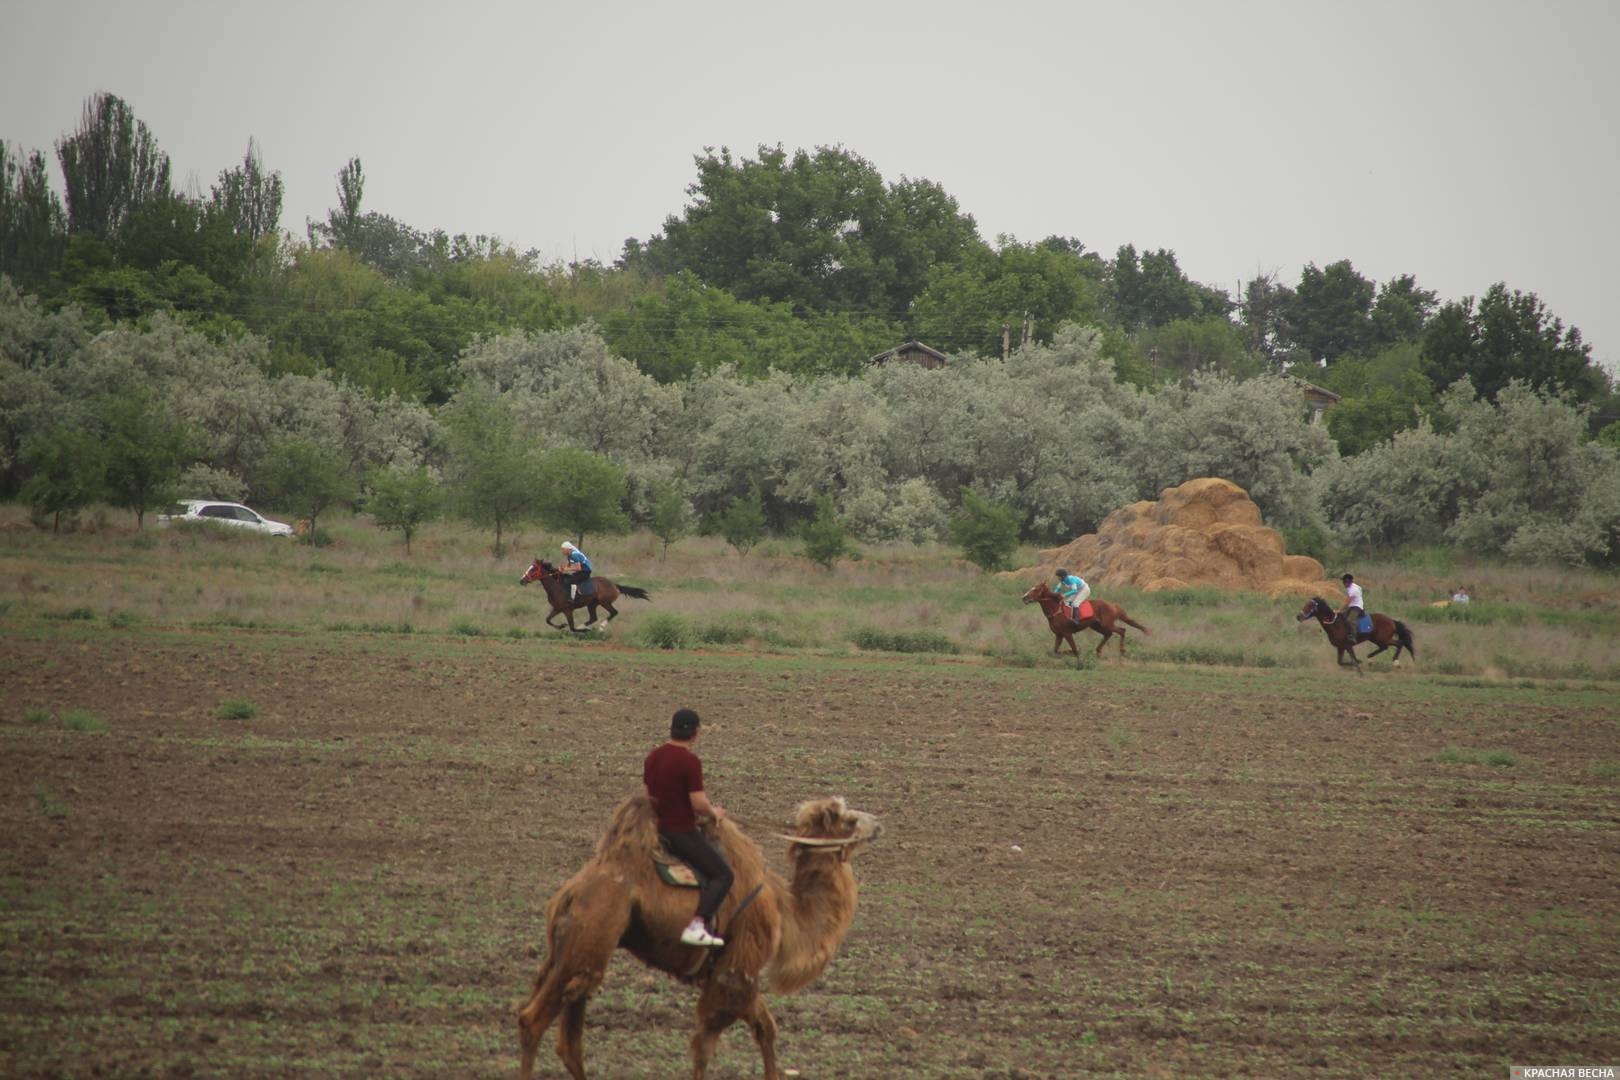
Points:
[590,609]
[613,612]
[1121,633]
[717,1010]
[763,1026]
[1106,634]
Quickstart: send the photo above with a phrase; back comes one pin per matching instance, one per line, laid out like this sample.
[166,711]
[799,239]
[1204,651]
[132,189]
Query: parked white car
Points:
[223,513]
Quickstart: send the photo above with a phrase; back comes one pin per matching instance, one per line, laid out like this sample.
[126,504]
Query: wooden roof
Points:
[911,346]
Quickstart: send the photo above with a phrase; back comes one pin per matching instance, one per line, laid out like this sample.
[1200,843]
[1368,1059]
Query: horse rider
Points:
[576,567]
[1073,591]
[1353,607]
[673,776]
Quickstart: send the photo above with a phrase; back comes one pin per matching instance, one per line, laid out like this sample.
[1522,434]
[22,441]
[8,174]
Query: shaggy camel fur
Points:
[787,934]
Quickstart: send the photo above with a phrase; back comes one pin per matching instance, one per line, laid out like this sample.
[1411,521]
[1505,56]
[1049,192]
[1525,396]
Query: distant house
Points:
[912,352]
[1318,398]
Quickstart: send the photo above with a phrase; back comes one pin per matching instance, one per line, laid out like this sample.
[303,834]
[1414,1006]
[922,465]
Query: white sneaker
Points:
[698,934]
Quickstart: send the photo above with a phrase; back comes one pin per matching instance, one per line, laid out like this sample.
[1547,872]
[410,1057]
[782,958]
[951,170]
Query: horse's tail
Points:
[639,594]
[1124,618]
[1406,637]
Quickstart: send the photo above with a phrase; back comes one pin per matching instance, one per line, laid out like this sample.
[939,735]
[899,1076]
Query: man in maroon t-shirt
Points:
[674,779]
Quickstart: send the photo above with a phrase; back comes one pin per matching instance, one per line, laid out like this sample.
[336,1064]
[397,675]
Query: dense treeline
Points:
[724,359]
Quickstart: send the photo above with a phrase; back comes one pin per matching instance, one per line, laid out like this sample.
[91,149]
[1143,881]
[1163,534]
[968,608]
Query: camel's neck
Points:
[817,910]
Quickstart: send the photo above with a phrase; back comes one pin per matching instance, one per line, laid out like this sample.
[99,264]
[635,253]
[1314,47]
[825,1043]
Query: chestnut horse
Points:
[561,604]
[1105,619]
[1385,632]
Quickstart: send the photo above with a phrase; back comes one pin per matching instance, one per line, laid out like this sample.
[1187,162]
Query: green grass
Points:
[236,709]
[1456,755]
[36,715]
[83,720]
[903,641]
[46,802]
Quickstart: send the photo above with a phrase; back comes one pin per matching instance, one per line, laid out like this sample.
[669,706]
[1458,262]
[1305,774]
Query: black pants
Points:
[694,849]
[1351,617]
[576,577]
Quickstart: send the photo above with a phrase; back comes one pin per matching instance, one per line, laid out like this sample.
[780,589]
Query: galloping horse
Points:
[561,604]
[1385,632]
[1105,619]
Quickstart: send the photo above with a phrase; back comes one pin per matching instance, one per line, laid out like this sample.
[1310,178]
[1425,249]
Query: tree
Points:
[110,167]
[33,227]
[581,492]
[306,478]
[742,523]
[404,499]
[825,538]
[1508,336]
[1151,290]
[1182,347]
[986,532]
[67,466]
[1330,311]
[248,198]
[966,303]
[492,471]
[671,514]
[145,450]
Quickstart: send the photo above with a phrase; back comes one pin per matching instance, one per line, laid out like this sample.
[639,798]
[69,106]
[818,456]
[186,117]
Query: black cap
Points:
[684,724]
[1062,572]
[1349,577]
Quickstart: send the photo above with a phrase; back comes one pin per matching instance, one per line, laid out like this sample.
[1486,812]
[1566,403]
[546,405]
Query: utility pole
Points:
[1006,341]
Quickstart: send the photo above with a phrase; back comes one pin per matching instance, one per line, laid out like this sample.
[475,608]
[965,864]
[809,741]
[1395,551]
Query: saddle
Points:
[585,589]
[676,873]
[1086,612]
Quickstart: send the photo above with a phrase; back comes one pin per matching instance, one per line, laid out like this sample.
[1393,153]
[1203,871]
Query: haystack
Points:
[1205,532]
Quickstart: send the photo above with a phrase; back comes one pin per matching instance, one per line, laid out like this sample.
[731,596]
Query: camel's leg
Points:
[571,1039]
[763,1025]
[717,1010]
[535,1016]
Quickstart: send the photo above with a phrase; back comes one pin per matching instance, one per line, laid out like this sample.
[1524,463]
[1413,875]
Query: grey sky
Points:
[1465,143]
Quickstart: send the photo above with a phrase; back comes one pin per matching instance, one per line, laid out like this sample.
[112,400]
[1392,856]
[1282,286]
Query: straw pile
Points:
[1206,532]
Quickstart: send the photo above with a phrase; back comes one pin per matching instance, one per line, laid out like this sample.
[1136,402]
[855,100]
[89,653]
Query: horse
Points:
[1105,619]
[1385,632]
[605,593]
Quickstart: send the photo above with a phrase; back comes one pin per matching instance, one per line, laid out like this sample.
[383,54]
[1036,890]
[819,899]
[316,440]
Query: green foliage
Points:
[46,802]
[1310,540]
[1331,311]
[1151,290]
[580,492]
[404,500]
[986,532]
[824,536]
[1454,755]
[664,630]
[68,467]
[83,720]
[493,474]
[742,523]
[307,478]
[145,450]
[672,516]
[1508,336]
[966,303]
[36,715]
[236,709]
[903,641]
[111,166]
[1609,435]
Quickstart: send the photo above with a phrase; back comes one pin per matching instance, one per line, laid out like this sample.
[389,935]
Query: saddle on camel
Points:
[777,931]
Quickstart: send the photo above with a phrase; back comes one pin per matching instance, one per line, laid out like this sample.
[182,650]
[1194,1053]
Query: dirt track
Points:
[1223,873]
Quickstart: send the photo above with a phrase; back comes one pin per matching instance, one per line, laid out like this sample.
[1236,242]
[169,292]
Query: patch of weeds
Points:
[36,715]
[521,611]
[517,633]
[466,628]
[1118,737]
[1501,759]
[665,630]
[83,720]
[901,641]
[1201,598]
[236,709]
[1446,667]
[1208,655]
[78,614]
[47,803]
[723,633]
[143,541]
[1604,770]
[122,620]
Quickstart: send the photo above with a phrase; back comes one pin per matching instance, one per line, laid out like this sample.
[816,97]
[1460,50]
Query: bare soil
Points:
[1116,872]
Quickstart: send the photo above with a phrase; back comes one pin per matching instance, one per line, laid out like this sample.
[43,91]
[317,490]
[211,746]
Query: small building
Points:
[1318,398]
[912,352]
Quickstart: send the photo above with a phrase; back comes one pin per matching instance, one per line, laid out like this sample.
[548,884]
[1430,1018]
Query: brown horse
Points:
[562,604]
[1105,619]
[1385,632]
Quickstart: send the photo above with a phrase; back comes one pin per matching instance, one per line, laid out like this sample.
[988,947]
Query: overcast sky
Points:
[1462,142]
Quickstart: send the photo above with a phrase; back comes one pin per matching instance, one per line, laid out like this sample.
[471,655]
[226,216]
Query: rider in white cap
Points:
[577,566]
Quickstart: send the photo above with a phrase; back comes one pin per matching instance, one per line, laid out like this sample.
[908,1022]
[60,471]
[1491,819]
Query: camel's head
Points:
[830,823]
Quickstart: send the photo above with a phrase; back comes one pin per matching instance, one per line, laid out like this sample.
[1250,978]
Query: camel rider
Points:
[576,567]
[1073,591]
[1353,606]
[673,776]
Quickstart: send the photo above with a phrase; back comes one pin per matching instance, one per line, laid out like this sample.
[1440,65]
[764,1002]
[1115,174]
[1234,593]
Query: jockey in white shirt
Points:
[1353,606]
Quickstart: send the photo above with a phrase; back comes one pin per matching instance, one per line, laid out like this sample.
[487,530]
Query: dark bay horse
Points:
[1385,632]
[1105,619]
[561,604]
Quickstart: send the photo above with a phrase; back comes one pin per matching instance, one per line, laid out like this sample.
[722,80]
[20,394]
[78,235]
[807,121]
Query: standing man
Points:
[576,567]
[1074,591]
[1353,607]
[673,776]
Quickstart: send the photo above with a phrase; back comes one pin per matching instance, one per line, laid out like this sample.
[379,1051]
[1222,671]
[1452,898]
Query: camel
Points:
[774,930]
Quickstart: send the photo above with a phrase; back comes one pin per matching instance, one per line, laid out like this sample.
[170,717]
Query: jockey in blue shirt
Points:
[576,566]
[1073,590]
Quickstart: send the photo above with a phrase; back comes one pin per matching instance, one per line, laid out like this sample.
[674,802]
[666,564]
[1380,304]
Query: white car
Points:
[223,513]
